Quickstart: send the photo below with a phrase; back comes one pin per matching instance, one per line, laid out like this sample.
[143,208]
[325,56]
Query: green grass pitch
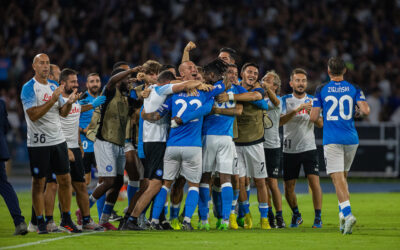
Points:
[378,227]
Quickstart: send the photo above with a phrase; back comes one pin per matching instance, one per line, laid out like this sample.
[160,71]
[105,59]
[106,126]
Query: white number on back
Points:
[341,101]
[184,106]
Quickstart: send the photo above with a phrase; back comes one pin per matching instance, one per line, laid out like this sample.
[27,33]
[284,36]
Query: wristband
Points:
[231,96]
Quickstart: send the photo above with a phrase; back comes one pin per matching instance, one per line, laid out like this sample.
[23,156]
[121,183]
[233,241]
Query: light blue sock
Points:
[245,208]
[234,200]
[216,195]
[263,208]
[133,187]
[204,197]
[100,205]
[174,211]
[108,207]
[346,208]
[159,202]
[227,196]
[165,211]
[192,200]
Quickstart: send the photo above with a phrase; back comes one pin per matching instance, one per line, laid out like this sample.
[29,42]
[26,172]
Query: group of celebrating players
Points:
[207,127]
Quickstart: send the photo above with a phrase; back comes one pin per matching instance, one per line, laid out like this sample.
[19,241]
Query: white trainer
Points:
[350,221]
[32,228]
[341,222]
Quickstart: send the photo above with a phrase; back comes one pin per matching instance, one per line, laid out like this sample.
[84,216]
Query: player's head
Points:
[165,77]
[54,72]
[200,75]
[123,84]
[214,71]
[152,68]
[249,73]
[336,67]
[227,55]
[41,65]
[272,81]
[69,78]
[231,75]
[298,81]
[121,64]
[168,67]
[93,83]
[188,70]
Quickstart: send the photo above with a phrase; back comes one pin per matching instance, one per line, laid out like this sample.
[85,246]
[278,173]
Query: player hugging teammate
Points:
[209,127]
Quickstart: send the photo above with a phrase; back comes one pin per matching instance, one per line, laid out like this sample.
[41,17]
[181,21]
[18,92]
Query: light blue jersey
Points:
[189,134]
[337,101]
[84,121]
[217,124]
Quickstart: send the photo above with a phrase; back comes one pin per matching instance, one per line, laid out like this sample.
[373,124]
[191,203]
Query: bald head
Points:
[188,70]
[41,66]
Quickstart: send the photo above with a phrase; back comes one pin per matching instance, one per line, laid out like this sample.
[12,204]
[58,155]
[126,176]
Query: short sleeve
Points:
[28,96]
[359,94]
[317,100]
[164,90]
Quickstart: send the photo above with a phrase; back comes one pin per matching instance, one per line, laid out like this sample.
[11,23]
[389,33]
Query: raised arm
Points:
[185,57]
[272,97]
[120,76]
[237,110]
[186,85]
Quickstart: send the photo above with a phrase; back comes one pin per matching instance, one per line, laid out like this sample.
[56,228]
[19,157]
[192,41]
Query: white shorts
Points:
[185,161]
[338,158]
[251,161]
[129,147]
[110,158]
[235,167]
[218,154]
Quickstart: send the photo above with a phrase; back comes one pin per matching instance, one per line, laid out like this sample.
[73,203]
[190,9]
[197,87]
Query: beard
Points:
[123,88]
[299,92]
[69,91]
[94,90]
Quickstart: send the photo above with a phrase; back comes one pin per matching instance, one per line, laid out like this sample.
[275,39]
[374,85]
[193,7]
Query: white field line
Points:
[47,240]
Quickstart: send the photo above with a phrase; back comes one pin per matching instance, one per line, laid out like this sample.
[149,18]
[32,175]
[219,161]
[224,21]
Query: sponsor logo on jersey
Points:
[46,97]
[75,110]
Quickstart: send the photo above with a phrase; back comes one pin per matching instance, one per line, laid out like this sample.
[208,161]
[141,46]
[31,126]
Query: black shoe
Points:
[131,226]
[114,216]
[166,225]
[156,226]
[121,223]
[280,223]
[70,227]
[42,228]
[21,229]
[271,221]
[187,226]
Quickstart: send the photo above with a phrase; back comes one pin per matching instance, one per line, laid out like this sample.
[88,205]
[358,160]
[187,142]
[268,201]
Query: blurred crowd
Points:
[90,36]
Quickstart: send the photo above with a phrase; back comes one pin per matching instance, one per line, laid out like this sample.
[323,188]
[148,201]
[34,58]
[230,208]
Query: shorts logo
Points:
[54,176]
[159,172]
[109,168]
[36,170]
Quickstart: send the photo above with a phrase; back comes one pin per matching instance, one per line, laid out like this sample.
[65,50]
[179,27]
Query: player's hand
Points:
[73,97]
[57,93]
[137,69]
[305,106]
[71,156]
[357,112]
[146,93]
[82,152]
[141,76]
[192,92]
[223,97]
[190,46]
[205,87]
[98,101]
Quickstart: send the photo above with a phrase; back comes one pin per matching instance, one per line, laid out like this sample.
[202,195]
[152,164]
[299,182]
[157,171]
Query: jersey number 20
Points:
[335,103]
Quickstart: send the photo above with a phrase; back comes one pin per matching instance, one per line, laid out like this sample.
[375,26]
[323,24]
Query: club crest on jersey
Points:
[52,87]
[109,168]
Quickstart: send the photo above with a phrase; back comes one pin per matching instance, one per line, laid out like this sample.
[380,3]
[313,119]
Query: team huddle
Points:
[214,128]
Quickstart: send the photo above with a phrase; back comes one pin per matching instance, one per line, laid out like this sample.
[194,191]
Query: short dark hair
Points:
[118,64]
[232,53]
[248,64]
[167,67]
[336,66]
[52,69]
[165,76]
[298,71]
[65,73]
[217,66]
[92,74]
